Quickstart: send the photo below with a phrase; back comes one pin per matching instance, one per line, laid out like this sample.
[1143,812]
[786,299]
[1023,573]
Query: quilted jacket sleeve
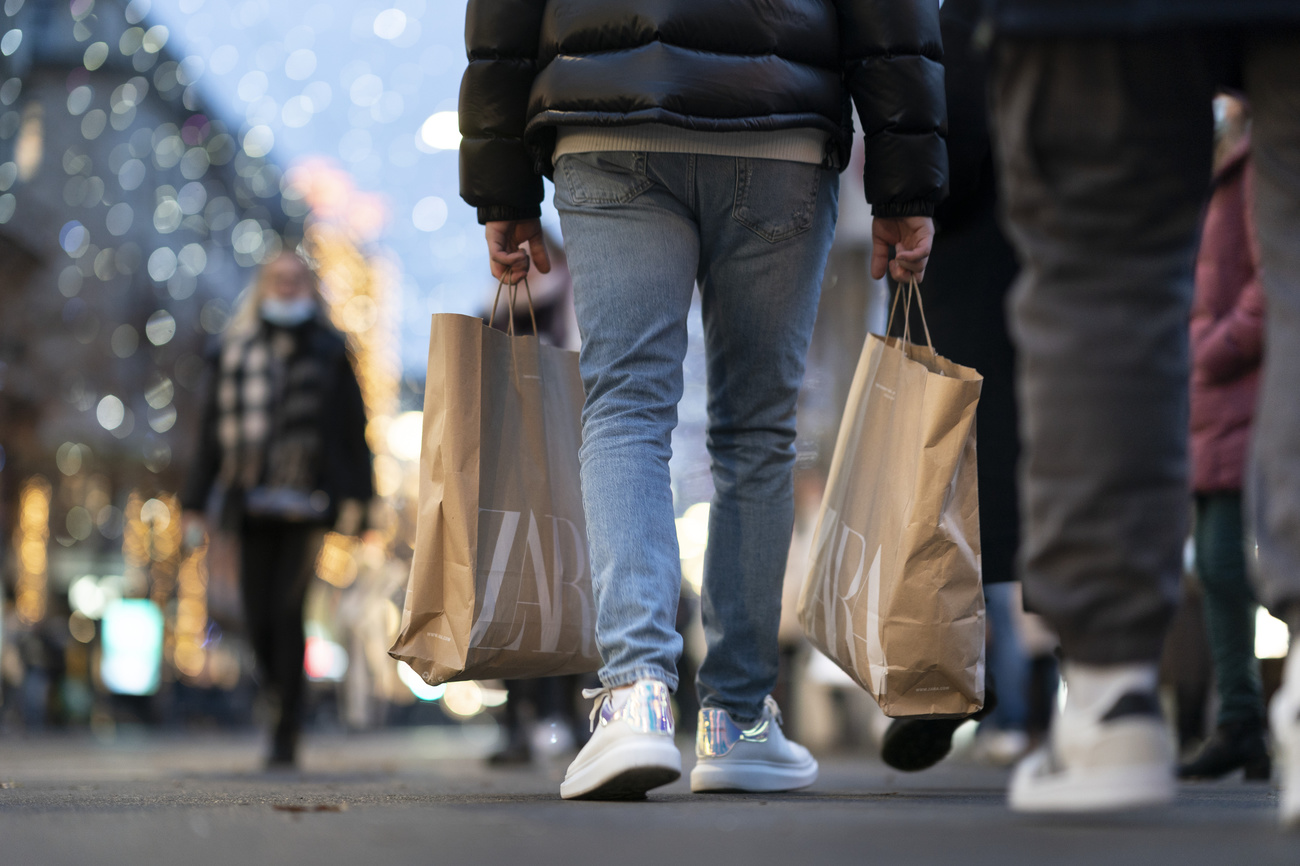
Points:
[498,174]
[892,54]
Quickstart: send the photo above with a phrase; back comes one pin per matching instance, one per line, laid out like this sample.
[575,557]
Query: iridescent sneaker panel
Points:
[718,734]
[757,757]
[647,710]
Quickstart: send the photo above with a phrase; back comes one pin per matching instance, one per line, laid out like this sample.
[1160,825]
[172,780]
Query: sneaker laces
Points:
[770,703]
[599,695]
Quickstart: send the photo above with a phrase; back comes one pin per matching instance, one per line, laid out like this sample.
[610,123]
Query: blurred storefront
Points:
[132,214]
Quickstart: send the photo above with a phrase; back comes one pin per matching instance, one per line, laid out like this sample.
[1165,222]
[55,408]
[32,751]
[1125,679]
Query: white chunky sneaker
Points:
[1284,720]
[631,749]
[1109,749]
[757,758]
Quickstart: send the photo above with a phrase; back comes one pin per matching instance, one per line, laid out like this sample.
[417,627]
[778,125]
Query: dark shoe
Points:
[1232,746]
[911,745]
[284,747]
[918,744]
[283,756]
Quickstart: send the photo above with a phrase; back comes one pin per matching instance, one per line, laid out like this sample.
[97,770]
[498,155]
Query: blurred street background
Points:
[153,155]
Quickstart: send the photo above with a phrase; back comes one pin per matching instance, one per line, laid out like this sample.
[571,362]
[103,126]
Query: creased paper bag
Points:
[500,583]
[893,595]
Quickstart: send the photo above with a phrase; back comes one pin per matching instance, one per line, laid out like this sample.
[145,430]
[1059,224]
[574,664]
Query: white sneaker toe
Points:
[1284,720]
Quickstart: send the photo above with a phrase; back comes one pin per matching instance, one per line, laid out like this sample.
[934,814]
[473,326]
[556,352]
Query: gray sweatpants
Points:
[1104,147]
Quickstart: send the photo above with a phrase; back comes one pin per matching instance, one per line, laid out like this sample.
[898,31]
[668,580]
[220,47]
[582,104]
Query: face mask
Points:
[287,314]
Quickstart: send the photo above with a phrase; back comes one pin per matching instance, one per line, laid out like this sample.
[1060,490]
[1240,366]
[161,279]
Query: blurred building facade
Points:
[130,218]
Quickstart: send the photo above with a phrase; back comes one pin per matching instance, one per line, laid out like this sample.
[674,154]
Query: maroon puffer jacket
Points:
[1227,330]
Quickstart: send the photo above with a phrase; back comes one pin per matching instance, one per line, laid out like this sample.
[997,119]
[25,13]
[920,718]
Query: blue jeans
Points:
[1007,662]
[640,230]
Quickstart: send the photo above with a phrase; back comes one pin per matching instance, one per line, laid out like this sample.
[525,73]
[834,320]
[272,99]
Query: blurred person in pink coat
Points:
[1227,345]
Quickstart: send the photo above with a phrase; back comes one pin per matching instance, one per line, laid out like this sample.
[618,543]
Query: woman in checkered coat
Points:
[282,458]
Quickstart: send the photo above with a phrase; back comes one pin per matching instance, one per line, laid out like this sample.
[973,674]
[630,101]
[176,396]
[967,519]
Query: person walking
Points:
[1103,128]
[695,144]
[282,457]
[1227,337]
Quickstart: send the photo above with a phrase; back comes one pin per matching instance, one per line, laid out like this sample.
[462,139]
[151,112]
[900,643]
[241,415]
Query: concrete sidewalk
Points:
[424,796]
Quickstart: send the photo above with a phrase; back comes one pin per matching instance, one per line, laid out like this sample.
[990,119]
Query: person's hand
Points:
[911,238]
[506,240]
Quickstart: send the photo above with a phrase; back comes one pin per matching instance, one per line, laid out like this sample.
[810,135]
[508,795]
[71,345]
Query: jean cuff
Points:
[740,719]
[626,678]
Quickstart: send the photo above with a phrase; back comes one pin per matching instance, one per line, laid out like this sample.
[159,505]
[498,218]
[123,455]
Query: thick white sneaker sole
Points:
[1288,813]
[731,774]
[1286,743]
[1035,787]
[625,770]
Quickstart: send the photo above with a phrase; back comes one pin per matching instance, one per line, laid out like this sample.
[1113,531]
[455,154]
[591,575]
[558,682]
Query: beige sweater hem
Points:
[794,145]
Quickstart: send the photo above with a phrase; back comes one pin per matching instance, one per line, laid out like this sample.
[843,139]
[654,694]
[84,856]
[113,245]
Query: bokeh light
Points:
[430,214]
[110,412]
[161,326]
[422,690]
[441,131]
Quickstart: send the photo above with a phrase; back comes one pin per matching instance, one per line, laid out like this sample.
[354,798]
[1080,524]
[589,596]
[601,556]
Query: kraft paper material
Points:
[500,584]
[893,594]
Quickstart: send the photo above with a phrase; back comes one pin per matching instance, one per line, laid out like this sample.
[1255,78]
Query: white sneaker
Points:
[1284,720]
[1001,748]
[631,749]
[1109,752]
[758,758]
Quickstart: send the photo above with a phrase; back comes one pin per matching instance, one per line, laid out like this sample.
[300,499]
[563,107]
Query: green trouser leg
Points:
[1229,606]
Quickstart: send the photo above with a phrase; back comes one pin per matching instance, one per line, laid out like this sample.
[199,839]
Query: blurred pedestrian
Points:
[692,144]
[1104,128]
[282,457]
[1227,347]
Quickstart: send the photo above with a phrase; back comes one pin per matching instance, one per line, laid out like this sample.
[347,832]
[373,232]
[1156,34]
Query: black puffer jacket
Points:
[721,65]
[1075,17]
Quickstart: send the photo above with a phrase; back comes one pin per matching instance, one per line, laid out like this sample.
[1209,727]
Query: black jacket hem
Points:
[498,212]
[906,209]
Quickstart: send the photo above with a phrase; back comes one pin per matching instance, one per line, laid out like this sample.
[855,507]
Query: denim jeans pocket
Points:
[776,199]
[605,177]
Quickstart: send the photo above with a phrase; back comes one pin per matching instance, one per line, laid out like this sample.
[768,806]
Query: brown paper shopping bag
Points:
[500,583]
[893,594]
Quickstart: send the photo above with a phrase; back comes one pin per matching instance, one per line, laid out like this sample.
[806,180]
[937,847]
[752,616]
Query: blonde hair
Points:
[248,305]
